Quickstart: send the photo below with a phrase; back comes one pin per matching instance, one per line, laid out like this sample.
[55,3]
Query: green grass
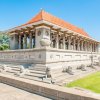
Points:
[90,82]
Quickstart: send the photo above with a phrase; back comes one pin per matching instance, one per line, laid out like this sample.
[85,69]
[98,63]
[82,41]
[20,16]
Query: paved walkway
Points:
[11,93]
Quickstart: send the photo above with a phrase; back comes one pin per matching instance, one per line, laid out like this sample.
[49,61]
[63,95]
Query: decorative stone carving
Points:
[69,70]
[4,67]
[64,68]
[22,71]
[48,72]
[1,67]
[91,65]
[45,42]
[82,67]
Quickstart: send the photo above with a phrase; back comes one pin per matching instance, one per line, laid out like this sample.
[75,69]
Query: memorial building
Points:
[50,43]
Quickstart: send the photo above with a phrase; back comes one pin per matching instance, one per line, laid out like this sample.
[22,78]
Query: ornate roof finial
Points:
[42,9]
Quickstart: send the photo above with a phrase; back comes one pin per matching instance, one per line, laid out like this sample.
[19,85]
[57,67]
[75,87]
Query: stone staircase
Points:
[37,73]
[10,69]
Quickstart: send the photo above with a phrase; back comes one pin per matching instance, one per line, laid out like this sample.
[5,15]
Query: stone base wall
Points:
[62,58]
[48,90]
[23,56]
[49,57]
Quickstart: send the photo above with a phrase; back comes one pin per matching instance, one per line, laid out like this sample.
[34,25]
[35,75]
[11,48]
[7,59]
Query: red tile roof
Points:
[52,19]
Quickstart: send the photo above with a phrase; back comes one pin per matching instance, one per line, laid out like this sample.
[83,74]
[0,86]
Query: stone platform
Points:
[48,90]
[11,93]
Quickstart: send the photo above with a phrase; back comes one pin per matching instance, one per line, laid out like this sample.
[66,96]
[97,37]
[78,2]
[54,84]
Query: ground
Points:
[90,82]
[11,93]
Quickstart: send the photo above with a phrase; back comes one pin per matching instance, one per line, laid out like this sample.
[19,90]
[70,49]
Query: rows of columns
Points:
[23,41]
[73,43]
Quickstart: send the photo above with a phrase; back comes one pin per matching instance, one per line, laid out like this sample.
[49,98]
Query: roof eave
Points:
[51,24]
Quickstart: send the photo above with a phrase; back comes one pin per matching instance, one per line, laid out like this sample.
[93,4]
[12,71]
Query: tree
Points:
[4,41]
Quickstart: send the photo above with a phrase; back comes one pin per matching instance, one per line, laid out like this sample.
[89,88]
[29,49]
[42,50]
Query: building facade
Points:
[50,42]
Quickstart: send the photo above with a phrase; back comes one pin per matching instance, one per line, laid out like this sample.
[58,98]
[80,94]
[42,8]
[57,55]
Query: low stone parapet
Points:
[48,90]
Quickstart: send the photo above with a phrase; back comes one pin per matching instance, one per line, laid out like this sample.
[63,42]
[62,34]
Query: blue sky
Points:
[82,13]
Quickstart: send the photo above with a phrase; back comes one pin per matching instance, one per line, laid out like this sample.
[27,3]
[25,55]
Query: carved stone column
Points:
[97,47]
[69,42]
[63,41]
[82,45]
[74,43]
[57,40]
[30,35]
[19,41]
[85,47]
[92,47]
[25,41]
[78,45]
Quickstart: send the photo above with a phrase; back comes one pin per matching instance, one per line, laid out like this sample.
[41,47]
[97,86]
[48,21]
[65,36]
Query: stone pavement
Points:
[11,93]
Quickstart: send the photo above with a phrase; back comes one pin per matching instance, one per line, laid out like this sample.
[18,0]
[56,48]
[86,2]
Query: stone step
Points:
[13,66]
[35,75]
[31,78]
[42,65]
[15,69]
[36,71]
[39,69]
[45,80]
[12,71]
[56,71]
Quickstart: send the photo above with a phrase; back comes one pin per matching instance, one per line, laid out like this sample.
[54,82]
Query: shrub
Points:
[1,47]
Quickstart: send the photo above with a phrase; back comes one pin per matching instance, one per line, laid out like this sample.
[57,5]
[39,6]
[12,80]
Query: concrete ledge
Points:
[48,90]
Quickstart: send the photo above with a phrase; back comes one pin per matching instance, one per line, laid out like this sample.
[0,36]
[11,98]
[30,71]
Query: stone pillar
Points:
[85,47]
[25,41]
[74,44]
[89,46]
[63,41]
[92,47]
[57,41]
[30,35]
[19,41]
[82,45]
[78,45]
[97,47]
[69,42]
[14,44]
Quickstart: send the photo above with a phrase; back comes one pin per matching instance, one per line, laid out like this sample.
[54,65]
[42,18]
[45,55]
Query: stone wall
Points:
[60,58]
[23,56]
[53,58]
[52,91]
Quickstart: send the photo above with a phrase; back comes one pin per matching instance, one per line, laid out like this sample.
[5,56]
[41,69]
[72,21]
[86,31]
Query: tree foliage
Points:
[4,41]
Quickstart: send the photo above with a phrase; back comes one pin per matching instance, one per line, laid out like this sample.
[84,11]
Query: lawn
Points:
[90,82]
